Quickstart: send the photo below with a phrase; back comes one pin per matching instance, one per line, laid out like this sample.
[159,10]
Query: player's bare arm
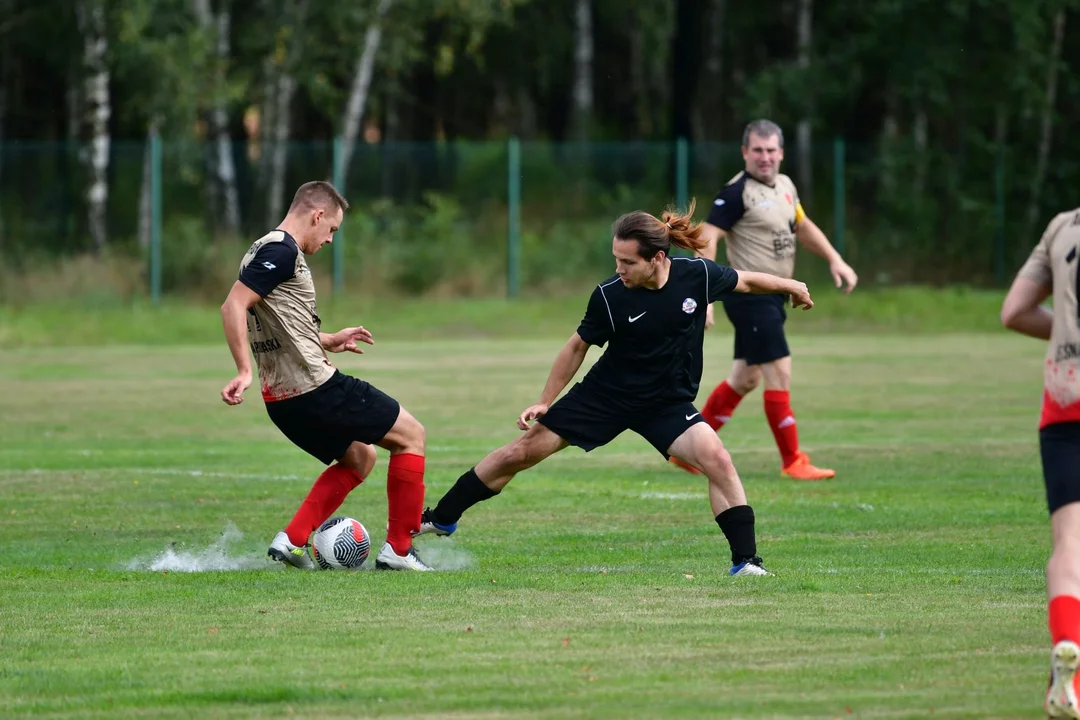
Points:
[813,239]
[756,282]
[346,340]
[234,310]
[566,365]
[1022,310]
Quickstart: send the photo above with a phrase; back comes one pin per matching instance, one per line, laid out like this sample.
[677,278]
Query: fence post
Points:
[513,217]
[682,172]
[999,214]
[338,286]
[839,199]
[155,217]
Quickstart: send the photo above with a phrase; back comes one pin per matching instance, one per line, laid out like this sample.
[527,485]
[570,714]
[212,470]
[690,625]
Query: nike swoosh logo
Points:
[635,319]
[690,416]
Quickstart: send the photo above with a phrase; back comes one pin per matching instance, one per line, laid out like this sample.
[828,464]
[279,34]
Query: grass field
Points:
[595,586]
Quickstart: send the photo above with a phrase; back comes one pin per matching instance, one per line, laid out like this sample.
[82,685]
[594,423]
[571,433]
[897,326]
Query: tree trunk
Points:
[354,110]
[804,37]
[5,70]
[890,132]
[1039,176]
[583,70]
[639,83]
[708,115]
[922,149]
[282,128]
[97,109]
[220,163]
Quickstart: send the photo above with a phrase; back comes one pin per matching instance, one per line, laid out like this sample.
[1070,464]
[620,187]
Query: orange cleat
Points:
[801,469]
[688,468]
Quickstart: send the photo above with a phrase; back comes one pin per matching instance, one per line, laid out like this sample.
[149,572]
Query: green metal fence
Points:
[503,217]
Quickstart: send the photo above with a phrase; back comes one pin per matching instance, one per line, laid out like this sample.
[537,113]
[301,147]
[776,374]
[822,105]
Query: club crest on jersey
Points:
[689,305]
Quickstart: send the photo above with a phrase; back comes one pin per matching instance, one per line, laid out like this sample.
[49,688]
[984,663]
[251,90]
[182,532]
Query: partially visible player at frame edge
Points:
[759,216]
[328,414]
[651,316]
[1052,270]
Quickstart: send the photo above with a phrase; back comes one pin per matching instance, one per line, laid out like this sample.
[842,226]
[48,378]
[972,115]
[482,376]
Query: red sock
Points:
[325,497]
[782,422]
[405,500]
[720,406]
[1064,619]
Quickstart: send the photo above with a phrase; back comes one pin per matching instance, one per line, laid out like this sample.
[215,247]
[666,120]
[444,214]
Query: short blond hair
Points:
[318,194]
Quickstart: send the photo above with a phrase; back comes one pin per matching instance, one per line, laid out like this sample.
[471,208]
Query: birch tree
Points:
[1046,122]
[583,69]
[96,108]
[361,85]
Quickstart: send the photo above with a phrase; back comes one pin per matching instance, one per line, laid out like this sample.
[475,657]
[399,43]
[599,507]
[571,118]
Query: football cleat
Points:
[284,551]
[801,469]
[1061,697]
[429,527]
[390,560]
[749,566]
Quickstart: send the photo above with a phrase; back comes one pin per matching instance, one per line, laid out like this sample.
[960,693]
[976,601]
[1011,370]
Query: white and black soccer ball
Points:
[341,543]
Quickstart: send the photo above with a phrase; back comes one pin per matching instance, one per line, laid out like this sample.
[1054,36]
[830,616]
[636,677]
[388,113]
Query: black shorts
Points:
[1059,445]
[588,419]
[759,326]
[341,411]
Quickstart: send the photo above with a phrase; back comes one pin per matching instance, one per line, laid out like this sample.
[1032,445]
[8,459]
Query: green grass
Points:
[595,586]
[867,310]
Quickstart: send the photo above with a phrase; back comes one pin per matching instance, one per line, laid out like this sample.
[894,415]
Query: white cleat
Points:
[284,551]
[1061,697]
[749,567]
[387,559]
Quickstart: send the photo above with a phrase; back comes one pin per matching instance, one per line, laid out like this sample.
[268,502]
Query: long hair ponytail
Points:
[656,235]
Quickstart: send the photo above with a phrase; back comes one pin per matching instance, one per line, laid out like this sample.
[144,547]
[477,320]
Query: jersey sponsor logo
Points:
[765,203]
[1066,351]
[265,346]
[635,319]
[783,244]
[689,305]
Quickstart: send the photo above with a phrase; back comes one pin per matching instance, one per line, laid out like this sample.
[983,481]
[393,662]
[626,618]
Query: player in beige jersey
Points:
[332,416]
[759,216]
[1052,271]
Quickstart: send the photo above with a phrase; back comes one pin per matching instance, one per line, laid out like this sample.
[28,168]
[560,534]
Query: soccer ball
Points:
[341,543]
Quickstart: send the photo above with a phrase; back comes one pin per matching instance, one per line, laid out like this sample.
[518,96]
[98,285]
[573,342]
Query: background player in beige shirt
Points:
[759,215]
[1051,270]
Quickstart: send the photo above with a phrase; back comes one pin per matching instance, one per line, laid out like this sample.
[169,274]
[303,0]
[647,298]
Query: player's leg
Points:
[490,476]
[325,496]
[404,492]
[579,418]
[1060,449]
[677,430]
[796,464]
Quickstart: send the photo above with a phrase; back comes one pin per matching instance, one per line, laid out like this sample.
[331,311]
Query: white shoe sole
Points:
[1061,698]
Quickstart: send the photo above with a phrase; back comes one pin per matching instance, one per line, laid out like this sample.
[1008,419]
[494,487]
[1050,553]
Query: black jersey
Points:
[654,337]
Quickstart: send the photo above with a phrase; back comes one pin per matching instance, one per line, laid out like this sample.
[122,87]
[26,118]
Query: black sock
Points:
[467,491]
[737,523]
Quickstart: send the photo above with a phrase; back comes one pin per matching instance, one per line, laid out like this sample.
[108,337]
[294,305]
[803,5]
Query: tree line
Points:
[935,98]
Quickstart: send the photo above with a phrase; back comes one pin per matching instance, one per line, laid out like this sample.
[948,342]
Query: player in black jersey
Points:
[651,315]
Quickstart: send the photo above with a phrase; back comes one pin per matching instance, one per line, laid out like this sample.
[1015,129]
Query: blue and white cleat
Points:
[750,566]
[429,527]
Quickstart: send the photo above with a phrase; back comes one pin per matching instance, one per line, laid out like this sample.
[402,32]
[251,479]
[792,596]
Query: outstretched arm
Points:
[566,365]
[814,240]
[756,282]
[1022,309]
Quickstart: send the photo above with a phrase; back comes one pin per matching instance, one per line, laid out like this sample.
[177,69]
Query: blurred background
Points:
[487,145]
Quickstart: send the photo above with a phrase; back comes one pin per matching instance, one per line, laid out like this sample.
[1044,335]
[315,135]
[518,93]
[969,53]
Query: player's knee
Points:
[520,455]
[746,381]
[720,465]
[361,458]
